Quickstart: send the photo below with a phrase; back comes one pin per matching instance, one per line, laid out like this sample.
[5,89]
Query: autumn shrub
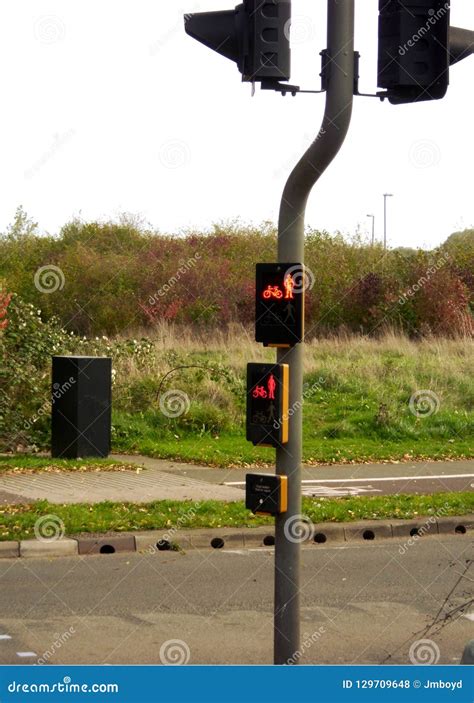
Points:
[119,277]
[442,305]
[26,346]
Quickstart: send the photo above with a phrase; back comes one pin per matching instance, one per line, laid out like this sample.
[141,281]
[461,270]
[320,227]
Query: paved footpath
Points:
[157,479]
[348,479]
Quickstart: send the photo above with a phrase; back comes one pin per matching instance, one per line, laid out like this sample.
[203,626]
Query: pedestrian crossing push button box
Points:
[266,494]
[279,304]
[267,404]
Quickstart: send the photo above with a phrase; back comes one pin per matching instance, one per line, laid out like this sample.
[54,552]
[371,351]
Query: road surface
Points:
[363,604]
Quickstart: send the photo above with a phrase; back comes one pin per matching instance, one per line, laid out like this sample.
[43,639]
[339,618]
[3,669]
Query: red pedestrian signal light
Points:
[267,404]
[279,305]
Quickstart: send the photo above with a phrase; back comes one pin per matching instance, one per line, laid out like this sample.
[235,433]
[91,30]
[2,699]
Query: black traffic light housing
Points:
[279,304]
[255,35]
[413,59]
[417,45]
[268,404]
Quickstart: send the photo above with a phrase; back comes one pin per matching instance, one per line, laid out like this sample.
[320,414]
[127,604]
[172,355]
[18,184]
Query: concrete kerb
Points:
[450,526]
[328,532]
[48,548]
[9,550]
[416,528]
[235,538]
[368,530]
[106,544]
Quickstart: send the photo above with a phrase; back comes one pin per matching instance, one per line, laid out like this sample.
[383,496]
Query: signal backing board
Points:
[267,404]
[279,304]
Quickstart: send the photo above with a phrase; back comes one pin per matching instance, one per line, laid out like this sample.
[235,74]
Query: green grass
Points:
[18,521]
[27,463]
[357,401]
[233,450]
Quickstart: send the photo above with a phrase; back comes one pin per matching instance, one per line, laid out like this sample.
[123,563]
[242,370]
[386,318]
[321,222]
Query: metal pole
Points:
[385,196]
[337,116]
[373,228]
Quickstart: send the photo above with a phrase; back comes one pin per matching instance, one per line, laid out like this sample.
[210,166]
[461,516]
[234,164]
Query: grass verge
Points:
[233,451]
[364,400]
[18,521]
[26,463]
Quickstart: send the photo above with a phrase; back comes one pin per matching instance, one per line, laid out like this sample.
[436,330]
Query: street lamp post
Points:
[385,196]
[373,228]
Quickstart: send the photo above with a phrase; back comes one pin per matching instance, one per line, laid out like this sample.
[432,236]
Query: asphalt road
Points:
[360,604]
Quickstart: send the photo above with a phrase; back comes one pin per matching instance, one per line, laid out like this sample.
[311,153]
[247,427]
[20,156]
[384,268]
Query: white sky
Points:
[108,107]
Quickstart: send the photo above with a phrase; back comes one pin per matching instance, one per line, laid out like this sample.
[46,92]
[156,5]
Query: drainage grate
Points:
[217,543]
[163,545]
[107,549]
[320,538]
[269,541]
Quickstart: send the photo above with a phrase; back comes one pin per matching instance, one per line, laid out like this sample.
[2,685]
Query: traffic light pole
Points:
[337,116]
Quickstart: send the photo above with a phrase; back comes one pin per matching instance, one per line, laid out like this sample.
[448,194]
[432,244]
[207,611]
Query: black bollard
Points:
[81,406]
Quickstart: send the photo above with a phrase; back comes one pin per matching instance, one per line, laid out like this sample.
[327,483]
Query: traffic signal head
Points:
[413,59]
[267,404]
[255,36]
[279,304]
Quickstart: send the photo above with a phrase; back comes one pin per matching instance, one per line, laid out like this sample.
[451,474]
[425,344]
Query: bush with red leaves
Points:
[4,302]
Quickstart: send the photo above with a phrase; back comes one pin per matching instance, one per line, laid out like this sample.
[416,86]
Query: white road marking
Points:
[469,616]
[369,478]
[26,654]
[5,637]
[338,491]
